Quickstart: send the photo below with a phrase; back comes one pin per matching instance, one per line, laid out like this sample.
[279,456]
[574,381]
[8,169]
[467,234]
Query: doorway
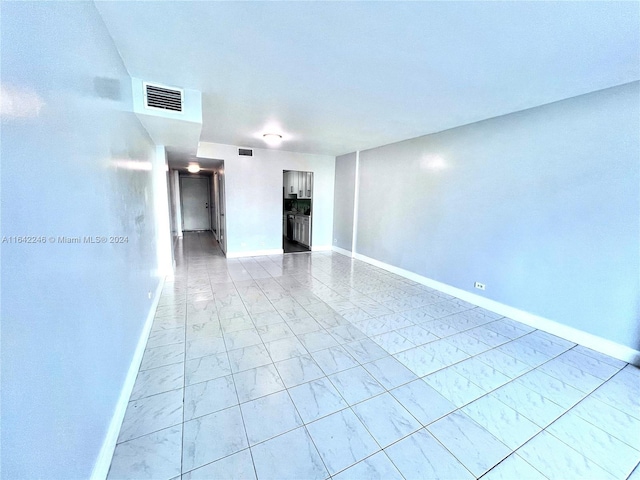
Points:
[194,199]
[297,211]
[220,205]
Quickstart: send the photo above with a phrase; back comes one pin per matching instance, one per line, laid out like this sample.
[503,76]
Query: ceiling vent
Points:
[163,98]
[245,152]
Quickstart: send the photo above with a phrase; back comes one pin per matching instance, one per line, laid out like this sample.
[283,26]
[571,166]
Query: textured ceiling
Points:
[334,77]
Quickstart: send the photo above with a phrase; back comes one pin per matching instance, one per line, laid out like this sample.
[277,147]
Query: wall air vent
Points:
[163,98]
[245,152]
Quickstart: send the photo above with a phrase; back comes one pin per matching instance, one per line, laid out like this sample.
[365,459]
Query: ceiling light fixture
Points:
[193,168]
[272,139]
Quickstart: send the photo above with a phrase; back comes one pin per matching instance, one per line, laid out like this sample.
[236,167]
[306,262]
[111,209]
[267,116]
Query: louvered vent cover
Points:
[163,98]
[246,152]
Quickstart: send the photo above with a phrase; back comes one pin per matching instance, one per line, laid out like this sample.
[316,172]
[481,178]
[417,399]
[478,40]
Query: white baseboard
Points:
[103,462]
[594,342]
[342,251]
[255,253]
[321,248]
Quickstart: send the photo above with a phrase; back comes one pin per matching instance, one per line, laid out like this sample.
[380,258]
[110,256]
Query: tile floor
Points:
[314,366]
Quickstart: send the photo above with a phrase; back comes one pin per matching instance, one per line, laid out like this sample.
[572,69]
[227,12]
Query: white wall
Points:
[541,205]
[75,162]
[174,204]
[254,196]
[344,199]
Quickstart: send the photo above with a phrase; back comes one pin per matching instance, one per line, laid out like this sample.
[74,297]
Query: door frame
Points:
[208,181]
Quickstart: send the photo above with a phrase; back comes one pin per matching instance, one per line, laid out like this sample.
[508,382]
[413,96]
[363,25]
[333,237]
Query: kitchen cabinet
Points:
[291,184]
[306,231]
[302,230]
[298,185]
[304,184]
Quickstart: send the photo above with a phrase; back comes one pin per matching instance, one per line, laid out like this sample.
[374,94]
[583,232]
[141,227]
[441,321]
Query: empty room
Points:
[320,240]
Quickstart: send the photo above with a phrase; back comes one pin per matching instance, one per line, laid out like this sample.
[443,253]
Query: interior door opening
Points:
[297,211]
[195,199]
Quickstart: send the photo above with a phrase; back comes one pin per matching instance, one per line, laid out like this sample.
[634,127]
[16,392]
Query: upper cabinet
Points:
[298,185]
[290,184]
[305,181]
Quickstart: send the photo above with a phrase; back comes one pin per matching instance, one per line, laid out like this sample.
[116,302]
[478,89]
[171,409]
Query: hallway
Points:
[313,366]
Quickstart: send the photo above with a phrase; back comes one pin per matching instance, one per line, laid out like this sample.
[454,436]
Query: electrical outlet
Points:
[149,294]
[479,286]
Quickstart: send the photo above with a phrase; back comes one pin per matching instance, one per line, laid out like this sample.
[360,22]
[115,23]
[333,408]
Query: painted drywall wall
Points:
[164,248]
[76,163]
[540,205]
[253,189]
[343,201]
[174,204]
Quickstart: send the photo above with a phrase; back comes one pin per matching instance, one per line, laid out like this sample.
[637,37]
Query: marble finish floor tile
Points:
[501,421]
[555,459]
[526,353]
[248,357]
[376,467]
[472,444]
[393,342]
[204,346]
[266,417]
[333,360]
[513,467]
[161,356]
[510,366]
[572,376]
[366,350]
[299,370]
[621,391]
[292,456]
[203,442]
[317,340]
[156,455]
[275,331]
[209,397]
[445,352]
[158,380]
[238,465]
[389,372]
[554,389]
[386,419]
[587,364]
[421,456]
[422,401]
[419,361]
[317,399]
[150,414]
[285,349]
[454,387]
[467,343]
[242,338]
[342,440]
[160,338]
[613,421]
[356,385]
[301,326]
[485,376]
[533,406]
[316,365]
[206,368]
[258,382]
[604,449]
[199,330]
